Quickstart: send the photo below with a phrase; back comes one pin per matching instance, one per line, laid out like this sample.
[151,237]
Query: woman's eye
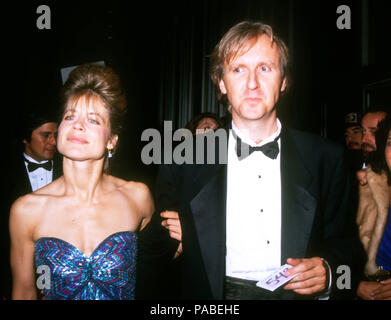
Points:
[93,121]
[68,117]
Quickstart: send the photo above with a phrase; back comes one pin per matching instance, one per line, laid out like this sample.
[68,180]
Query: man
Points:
[369,124]
[354,155]
[31,166]
[36,165]
[373,202]
[353,131]
[242,220]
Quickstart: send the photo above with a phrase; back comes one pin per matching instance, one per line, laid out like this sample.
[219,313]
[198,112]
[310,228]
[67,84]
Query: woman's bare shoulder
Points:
[137,189]
[130,187]
[26,211]
[33,204]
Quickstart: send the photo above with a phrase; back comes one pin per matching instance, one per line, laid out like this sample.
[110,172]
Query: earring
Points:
[110,153]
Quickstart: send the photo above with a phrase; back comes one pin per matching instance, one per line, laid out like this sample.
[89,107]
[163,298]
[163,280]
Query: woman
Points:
[203,122]
[374,218]
[83,225]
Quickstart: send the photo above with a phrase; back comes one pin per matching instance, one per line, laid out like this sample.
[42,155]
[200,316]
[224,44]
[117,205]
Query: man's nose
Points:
[366,138]
[52,140]
[252,80]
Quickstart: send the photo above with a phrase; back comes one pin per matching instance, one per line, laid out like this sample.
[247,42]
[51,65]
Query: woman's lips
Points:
[74,139]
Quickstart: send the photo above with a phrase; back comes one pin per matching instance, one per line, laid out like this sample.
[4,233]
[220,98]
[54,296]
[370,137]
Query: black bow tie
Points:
[32,166]
[269,149]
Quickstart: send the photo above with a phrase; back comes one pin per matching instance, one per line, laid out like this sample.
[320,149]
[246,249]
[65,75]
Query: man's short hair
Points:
[376,109]
[237,41]
[40,110]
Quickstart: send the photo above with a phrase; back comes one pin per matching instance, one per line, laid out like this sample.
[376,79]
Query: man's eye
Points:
[237,70]
[265,68]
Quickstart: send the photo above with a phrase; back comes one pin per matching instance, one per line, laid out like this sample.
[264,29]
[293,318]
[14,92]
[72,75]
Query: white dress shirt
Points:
[253,211]
[39,177]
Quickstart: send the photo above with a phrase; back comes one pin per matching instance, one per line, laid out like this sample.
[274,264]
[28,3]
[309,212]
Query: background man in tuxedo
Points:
[286,202]
[32,165]
[38,168]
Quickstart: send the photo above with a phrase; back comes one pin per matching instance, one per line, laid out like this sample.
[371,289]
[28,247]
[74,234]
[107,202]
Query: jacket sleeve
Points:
[340,246]
[156,248]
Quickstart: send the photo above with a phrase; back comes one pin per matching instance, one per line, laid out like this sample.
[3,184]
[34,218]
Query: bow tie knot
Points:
[32,166]
[269,149]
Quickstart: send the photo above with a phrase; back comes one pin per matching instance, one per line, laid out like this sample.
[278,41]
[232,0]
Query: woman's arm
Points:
[145,204]
[22,251]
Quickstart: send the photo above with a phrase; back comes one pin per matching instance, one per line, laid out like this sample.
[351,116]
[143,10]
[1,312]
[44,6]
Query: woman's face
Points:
[205,125]
[84,132]
[388,150]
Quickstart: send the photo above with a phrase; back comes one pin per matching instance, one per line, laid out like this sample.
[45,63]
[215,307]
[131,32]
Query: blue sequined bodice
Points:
[108,274]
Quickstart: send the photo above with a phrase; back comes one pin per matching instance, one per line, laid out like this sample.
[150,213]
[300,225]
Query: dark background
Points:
[160,50]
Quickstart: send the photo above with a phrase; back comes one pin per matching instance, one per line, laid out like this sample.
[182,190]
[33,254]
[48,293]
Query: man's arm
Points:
[339,243]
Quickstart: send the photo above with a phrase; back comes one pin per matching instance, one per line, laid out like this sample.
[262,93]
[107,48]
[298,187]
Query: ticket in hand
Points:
[277,279]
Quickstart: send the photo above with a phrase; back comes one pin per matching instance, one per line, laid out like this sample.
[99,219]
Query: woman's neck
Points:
[83,179]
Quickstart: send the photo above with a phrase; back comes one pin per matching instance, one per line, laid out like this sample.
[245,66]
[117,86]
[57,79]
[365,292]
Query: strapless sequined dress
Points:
[108,274]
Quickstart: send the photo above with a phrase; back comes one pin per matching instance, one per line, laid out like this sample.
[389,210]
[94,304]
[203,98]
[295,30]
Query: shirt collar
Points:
[33,160]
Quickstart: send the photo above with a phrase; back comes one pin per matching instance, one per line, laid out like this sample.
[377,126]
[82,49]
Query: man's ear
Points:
[222,87]
[112,142]
[283,85]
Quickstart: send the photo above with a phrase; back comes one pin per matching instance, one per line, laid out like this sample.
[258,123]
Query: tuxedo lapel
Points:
[208,208]
[298,204]
[22,183]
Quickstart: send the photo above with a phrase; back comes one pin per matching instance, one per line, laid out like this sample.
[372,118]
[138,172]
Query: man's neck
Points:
[30,158]
[256,130]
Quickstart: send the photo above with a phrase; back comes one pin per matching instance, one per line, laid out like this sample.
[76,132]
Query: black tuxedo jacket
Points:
[20,180]
[17,183]
[316,220]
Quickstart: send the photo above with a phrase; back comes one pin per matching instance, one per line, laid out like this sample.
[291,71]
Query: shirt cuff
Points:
[326,295]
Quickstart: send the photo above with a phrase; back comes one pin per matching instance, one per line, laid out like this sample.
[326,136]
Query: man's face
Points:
[369,126]
[253,82]
[42,145]
[353,137]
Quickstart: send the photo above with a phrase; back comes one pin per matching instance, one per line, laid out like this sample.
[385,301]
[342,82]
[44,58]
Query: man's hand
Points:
[312,277]
[383,292]
[173,225]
